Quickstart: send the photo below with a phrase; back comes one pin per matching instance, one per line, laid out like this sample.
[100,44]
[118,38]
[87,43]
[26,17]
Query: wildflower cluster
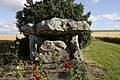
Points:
[76,71]
[66,60]
[34,73]
[39,72]
[19,70]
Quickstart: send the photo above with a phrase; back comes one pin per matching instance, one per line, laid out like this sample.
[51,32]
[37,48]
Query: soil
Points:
[9,72]
[55,72]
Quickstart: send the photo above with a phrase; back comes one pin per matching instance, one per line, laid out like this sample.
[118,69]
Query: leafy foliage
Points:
[23,48]
[47,9]
[84,39]
[109,39]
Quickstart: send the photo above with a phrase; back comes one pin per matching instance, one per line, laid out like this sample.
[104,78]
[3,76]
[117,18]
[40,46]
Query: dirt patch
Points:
[8,72]
[56,71]
[95,71]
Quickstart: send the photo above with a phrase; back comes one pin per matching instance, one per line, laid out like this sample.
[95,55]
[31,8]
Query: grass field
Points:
[105,30]
[106,55]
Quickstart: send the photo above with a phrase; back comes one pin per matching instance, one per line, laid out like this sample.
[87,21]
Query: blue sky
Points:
[105,14]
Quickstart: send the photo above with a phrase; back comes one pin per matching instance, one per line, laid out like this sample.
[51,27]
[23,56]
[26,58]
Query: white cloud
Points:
[93,18]
[14,5]
[116,27]
[95,1]
[112,17]
[8,27]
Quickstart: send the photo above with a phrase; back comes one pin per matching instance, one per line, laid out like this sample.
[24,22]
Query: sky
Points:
[105,14]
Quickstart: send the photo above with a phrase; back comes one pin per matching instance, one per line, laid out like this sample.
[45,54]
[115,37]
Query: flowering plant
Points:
[39,73]
[42,74]
[19,69]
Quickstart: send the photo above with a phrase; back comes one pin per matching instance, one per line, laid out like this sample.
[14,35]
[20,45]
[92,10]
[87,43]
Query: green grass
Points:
[105,30]
[106,55]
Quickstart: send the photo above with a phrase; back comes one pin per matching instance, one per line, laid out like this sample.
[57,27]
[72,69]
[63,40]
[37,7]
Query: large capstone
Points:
[57,26]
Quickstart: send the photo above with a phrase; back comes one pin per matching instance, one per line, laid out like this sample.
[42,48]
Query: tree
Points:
[47,9]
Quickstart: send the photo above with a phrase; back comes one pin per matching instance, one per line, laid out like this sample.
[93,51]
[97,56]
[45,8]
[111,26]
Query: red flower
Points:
[43,70]
[39,78]
[67,65]
[35,75]
[65,57]
[34,68]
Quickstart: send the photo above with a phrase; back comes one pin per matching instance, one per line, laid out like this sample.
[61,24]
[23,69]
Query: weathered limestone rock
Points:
[75,49]
[57,26]
[53,45]
[49,47]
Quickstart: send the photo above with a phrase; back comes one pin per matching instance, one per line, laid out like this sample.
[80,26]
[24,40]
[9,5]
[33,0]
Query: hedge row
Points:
[109,39]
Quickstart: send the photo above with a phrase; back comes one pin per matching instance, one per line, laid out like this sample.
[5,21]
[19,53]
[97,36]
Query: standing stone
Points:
[34,42]
[75,49]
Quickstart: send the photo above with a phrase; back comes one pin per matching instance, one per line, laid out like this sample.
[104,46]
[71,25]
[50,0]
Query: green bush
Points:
[23,48]
[84,39]
[109,39]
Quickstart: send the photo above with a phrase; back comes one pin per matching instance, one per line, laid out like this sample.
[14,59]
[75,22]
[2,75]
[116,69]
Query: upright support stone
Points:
[31,45]
[35,42]
[75,49]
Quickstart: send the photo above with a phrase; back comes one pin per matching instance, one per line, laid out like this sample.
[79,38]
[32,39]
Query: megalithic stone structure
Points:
[54,29]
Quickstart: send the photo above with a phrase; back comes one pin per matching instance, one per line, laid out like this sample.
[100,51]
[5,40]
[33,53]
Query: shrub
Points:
[23,48]
[109,39]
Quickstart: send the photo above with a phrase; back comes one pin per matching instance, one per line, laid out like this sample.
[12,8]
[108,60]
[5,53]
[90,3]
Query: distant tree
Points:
[47,9]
